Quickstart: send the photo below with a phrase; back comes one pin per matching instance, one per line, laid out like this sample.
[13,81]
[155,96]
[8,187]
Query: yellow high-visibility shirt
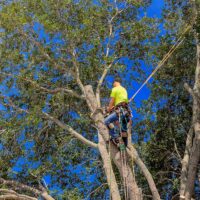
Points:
[120,95]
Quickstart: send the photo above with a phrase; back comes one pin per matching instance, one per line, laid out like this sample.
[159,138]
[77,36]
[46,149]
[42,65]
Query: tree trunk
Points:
[103,136]
[190,162]
[108,169]
[134,193]
[185,162]
[133,153]
[46,196]
[193,163]
[195,150]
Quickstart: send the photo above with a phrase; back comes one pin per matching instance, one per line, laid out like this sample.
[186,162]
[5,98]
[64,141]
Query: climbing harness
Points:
[124,115]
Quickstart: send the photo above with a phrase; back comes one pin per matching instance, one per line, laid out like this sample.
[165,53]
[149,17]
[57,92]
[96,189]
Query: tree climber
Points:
[119,112]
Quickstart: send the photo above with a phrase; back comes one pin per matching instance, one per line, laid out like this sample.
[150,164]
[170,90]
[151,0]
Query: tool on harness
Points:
[121,125]
[122,147]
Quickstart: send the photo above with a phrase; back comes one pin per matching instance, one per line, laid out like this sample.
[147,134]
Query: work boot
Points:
[115,141]
[124,134]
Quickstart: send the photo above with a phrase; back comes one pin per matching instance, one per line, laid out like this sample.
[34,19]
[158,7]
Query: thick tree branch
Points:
[190,90]
[195,149]
[7,191]
[20,185]
[100,83]
[75,63]
[185,161]
[58,122]
[46,196]
[134,155]
[16,197]
[10,194]
[67,91]
[71,131]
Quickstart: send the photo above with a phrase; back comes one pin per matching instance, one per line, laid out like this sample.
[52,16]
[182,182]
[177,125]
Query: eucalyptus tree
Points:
[55,60]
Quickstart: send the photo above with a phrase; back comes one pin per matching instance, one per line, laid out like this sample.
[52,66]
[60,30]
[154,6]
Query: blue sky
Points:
[154,11]
[156,8]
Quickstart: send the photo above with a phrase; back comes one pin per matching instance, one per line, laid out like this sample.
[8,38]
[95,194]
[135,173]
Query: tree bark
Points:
[193,163]
[185,163]
[103,137]
[189,168]
[195,150]
[133,153]
[134,193]
[46,196]
[29,189]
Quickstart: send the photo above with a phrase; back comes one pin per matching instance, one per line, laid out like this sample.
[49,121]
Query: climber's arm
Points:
[111,104]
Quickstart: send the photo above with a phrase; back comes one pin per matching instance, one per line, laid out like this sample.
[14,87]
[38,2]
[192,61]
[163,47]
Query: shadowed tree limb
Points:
[71,130]
[13,194]
[134,155]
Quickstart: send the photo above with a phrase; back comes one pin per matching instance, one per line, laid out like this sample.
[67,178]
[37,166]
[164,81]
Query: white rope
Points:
[160,64]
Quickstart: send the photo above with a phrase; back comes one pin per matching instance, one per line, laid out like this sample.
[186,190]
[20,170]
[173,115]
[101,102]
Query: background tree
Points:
[173,120]
[55,56]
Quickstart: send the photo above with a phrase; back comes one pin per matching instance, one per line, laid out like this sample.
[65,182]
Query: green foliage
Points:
[42,42]
[168,111]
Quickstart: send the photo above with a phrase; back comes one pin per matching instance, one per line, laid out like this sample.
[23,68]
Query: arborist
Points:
[119,113]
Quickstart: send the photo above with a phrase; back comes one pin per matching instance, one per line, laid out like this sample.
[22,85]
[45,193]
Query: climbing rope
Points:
[123,174]
[165,58]
[110,170]
[123,159]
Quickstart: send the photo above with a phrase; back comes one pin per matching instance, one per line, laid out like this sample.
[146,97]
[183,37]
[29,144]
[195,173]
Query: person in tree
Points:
[119,112]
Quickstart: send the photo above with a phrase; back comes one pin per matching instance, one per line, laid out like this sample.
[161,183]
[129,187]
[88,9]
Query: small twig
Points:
[95,190]
[176,149]
[11,104]
[74,60]
[2,131]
